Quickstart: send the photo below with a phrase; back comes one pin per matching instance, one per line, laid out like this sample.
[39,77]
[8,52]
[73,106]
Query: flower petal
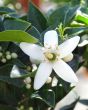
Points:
[64,71]
[51,39]
[15,73]
[32,50]
[85,42]
[68,46]
[42,74]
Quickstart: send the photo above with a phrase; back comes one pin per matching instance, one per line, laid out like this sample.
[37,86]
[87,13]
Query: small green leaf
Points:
[47,96]
[17,36]
[82,17]
[15,24]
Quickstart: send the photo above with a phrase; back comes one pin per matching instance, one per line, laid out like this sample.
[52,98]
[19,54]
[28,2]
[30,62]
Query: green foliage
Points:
[37,18]
[47,96]
[15,24]
[5,10]
[18,36]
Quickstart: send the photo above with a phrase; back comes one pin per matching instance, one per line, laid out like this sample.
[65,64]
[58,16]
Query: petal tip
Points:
[78,38]
[36,87]
[75,80]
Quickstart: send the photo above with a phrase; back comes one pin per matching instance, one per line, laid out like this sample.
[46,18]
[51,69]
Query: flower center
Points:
[50,56]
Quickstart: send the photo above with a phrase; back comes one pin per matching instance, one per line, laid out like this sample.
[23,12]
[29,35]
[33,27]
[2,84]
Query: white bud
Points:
[28,86]
[7,52]
[14,55]
[3,60]
[0,48]
[21,107]
[54,81]
[68,57]
[30,108]
[34,67]
[8,57]
[18,5]
[27,80]
[60,85]
[28,68]
[49,108]
[1,54]
[49,80]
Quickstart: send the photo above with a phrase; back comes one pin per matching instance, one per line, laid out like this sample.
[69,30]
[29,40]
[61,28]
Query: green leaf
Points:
[15,24]
[47,96]
[36,18]
[58,15]
[17,36]
[62,15]
[75,30]
[69,15]
[82,17]
[5,76]
[6,10]
[34,32]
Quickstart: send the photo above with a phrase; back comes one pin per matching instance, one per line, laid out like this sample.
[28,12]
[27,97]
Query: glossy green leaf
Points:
[34,32]
[47,96]
[62,15]
[17,36]
[71,12]
[6,10]
[82,17]
[15,24]
[37,18]
[75,30]
[58,15]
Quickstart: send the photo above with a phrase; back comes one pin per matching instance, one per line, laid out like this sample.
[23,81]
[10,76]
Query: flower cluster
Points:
[51,57]
[7,55]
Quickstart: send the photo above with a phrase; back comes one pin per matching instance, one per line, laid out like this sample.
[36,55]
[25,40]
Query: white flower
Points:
[50,57]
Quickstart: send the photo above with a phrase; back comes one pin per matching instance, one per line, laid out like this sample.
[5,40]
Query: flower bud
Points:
[54,82]
[49,80]
[68,57]
[14,55]
[3,60]
[34,67]
[8,57]
[30,108]
[27,80]
[21,107]
[28,86]
[28,68]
